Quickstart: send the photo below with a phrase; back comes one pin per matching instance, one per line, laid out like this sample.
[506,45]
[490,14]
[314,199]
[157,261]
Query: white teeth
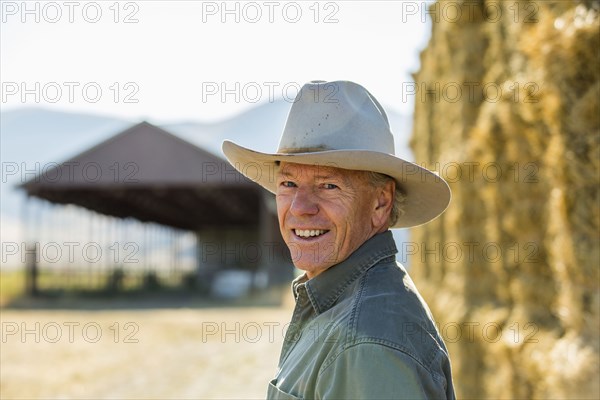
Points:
[309,232]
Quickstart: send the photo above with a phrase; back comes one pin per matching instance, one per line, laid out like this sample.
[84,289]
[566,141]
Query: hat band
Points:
[297,150]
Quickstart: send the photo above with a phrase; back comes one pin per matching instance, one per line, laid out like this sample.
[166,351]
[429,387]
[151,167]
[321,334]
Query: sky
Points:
[202,60]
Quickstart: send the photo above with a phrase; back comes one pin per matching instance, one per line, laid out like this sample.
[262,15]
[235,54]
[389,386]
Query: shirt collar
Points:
[324,289]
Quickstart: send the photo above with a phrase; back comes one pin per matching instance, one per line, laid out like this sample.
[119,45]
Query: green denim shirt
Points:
[360,330]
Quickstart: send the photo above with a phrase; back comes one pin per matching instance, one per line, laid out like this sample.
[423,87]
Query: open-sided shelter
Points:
[150,175]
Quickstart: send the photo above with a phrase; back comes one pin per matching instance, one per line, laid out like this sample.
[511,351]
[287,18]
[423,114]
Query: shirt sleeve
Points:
[377,371]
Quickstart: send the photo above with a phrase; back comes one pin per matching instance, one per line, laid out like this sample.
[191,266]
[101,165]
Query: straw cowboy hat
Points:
[340,124]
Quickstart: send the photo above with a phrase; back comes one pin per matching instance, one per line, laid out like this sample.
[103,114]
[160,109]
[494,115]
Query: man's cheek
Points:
[295,252]
[329,252]
[282,206]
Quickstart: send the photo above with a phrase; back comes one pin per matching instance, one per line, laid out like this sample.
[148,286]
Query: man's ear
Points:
[383,205]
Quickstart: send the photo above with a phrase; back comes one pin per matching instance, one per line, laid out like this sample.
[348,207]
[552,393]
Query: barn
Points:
[146,208]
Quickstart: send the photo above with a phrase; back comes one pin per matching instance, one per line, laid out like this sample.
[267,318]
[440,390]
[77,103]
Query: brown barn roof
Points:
[149,174]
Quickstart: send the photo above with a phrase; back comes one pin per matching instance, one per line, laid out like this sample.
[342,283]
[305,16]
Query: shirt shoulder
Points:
[388,310]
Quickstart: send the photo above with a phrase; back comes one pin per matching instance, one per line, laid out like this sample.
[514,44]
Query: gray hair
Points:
[379,180]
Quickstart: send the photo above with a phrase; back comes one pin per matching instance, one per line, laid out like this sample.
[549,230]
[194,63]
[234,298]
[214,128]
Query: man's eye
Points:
[329,186]
[288,184]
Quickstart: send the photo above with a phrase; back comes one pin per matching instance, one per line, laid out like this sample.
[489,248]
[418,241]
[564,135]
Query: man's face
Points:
[325,214]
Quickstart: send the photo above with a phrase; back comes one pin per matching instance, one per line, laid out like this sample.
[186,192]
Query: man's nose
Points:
[304,203]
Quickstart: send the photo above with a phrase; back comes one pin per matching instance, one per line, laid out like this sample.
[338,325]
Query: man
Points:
[360,329]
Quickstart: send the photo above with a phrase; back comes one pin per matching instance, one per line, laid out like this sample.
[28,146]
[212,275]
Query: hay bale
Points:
[521,150]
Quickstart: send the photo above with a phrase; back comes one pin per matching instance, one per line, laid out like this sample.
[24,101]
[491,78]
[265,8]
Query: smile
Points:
[305,233]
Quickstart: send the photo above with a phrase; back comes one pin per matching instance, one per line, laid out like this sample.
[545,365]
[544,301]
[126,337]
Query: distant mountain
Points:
[32,139]
[259,128]
[40,135]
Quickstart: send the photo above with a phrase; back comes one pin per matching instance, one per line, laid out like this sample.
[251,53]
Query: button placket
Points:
[300,317]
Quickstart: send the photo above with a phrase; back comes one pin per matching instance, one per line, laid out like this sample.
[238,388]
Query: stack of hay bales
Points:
[507,109]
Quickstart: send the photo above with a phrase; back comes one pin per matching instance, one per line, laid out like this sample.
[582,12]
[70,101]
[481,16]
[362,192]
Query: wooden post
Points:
[31,270]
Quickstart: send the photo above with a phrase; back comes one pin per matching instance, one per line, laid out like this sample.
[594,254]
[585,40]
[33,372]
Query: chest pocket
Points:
[274,393]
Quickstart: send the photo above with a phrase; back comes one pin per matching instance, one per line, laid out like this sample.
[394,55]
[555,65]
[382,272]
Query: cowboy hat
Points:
[340,124]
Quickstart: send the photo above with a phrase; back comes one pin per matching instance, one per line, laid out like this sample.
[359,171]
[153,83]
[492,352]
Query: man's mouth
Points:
[306,233]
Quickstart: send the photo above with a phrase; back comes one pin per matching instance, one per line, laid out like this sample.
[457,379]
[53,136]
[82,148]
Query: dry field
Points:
[178,353]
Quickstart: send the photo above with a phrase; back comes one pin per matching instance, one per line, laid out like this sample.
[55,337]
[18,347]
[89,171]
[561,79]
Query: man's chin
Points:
[312,269]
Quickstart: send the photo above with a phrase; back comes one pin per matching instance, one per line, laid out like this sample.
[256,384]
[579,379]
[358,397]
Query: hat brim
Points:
[427,195]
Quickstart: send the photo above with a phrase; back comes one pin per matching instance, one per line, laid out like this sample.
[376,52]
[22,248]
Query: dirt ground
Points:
[178,353]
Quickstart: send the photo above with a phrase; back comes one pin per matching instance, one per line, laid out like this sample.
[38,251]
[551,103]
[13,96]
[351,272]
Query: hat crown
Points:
[338,115]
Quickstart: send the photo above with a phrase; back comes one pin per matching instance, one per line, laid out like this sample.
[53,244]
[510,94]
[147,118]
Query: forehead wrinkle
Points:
[325,177]
[285,174]
[351,178]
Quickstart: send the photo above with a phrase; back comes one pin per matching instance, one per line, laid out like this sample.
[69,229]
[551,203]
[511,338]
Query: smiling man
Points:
[326,213]
[360,329]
